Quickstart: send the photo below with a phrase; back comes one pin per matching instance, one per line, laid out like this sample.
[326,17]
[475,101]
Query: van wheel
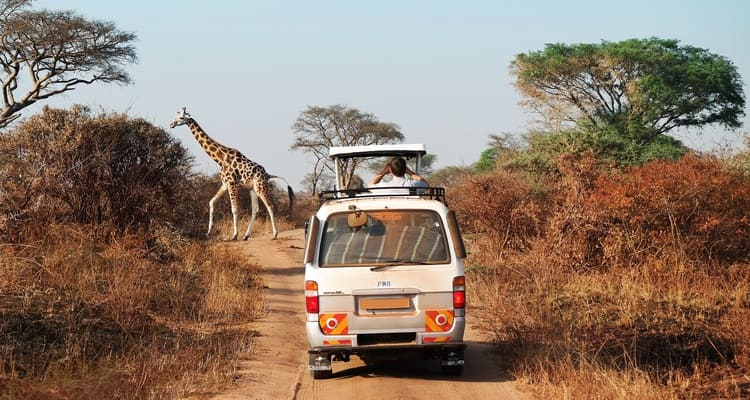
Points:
[324,374]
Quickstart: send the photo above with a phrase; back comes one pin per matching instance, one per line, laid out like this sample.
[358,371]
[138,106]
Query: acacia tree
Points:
[640,88]
[44,53]
[317,129]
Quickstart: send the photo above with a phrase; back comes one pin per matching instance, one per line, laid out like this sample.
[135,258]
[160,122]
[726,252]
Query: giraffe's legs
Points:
[211,204]
[255,207]
[234,200]
[269,207]
[253,211]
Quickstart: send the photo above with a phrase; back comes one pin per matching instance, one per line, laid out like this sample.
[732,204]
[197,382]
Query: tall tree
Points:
[44,53]
[641,88]
[503,148]
[317,129]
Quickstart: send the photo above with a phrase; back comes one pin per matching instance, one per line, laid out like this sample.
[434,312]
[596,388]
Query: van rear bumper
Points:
[384,349]
[448,346]
[390,337]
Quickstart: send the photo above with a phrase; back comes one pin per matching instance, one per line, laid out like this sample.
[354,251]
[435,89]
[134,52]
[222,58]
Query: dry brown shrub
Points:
[633,285]
[572,237]
[695,205]
[668,324]
[81,319]
[103,291]
[502,209]
[113,173]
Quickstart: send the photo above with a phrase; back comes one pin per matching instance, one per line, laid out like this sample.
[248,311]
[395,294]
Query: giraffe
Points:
[236,171]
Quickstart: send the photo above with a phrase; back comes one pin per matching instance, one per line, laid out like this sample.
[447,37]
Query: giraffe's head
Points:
[181,118]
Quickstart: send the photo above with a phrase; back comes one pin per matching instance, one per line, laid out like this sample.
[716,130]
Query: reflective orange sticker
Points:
[334,324]
[337,342]
[438,320]
[436,339]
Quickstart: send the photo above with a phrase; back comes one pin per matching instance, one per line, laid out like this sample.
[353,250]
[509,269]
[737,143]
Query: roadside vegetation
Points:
[611,261]
[602,283]
[107,289]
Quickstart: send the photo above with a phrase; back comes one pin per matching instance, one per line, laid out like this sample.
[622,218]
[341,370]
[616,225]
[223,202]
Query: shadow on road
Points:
[481,366]
[284,271]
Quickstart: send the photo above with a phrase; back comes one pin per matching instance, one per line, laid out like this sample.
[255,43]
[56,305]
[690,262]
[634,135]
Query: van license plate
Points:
[384,303]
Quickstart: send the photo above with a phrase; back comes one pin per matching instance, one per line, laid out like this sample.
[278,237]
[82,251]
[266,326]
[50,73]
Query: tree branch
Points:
[60,50]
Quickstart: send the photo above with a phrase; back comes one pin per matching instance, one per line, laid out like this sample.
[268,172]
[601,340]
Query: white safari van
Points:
[384,272]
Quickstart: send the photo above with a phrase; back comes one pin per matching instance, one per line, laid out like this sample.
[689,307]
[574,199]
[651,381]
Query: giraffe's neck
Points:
[214,149]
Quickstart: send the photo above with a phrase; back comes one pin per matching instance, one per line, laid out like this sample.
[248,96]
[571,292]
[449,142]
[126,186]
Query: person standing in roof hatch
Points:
[401,175]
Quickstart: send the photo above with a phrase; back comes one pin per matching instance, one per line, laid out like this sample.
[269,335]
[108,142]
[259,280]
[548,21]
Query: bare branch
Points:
[60,50]
[318,129]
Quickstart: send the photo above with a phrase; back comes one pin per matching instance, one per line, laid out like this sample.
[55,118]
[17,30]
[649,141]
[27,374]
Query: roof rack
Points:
[427,193]
[375,150]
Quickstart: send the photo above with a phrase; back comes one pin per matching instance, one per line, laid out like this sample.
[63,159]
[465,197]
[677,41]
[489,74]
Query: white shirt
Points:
[401,181]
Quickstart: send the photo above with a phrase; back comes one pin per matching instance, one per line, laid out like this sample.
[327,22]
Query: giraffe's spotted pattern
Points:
[236,171]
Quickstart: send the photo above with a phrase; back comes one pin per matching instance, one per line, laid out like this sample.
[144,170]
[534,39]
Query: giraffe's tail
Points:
[289,190]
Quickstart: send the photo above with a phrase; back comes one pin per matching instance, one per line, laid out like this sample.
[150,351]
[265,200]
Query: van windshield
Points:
[389,237]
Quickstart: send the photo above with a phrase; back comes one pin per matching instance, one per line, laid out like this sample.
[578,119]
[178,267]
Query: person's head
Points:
[398,166]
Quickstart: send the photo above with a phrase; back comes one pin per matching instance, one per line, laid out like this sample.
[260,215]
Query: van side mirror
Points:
[456,238]
[311,230]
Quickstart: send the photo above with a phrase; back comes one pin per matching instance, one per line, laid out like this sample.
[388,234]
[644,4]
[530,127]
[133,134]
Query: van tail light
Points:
[459,292]
[311,297]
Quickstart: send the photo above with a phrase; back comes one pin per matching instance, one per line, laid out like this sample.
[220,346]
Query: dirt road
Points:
[277,369]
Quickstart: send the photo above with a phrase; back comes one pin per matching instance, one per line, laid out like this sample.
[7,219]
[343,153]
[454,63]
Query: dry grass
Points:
[86,320]
[617,290]
[573,379]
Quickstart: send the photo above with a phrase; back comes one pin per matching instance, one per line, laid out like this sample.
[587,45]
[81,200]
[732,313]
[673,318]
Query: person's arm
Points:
[415,176]
[379,176]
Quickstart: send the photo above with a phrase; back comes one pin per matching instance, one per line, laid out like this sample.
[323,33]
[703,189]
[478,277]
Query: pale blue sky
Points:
[438,69]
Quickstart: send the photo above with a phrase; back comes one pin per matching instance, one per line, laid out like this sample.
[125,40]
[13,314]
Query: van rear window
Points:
[387,237]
